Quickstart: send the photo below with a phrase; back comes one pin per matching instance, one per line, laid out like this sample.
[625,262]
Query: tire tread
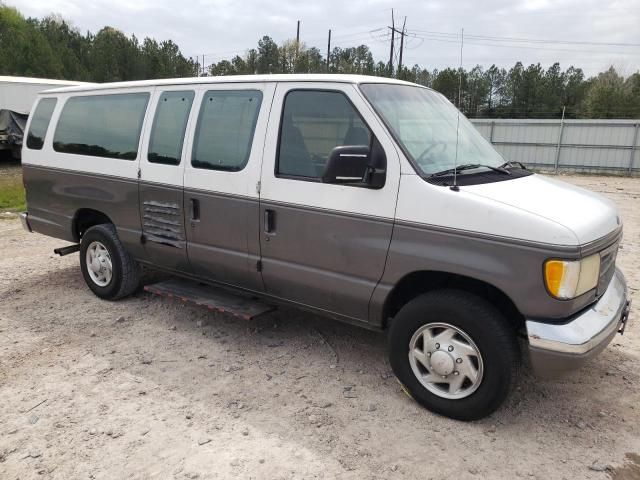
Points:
[130,269]
[503,339]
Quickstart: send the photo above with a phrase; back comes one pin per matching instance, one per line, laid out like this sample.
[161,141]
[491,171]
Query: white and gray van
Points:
[368,200]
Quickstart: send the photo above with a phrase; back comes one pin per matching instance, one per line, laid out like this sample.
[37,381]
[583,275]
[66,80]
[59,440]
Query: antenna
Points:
[455,187]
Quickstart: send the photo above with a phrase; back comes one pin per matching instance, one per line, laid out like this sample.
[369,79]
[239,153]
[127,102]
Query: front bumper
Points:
[556,348]
[24,219]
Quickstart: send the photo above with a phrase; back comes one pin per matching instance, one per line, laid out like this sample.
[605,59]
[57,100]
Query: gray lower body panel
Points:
[55,196]
[513,267]
[222,244]
[162,218]
[324,259]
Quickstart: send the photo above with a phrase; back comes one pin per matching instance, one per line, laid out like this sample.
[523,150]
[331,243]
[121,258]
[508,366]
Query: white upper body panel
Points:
[243,182]
[423,203]
[379,203]
[588,215]
[49,157]
[533,208]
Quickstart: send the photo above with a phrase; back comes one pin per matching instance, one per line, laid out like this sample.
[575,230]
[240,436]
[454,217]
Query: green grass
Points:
[12,197]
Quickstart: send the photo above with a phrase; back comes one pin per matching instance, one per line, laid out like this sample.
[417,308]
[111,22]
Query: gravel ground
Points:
[146,388]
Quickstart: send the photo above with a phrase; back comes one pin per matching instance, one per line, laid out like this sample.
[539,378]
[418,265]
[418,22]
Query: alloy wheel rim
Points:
[99,265]
[445,360]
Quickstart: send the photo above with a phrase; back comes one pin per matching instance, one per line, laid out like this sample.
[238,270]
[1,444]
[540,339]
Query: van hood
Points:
[588,215]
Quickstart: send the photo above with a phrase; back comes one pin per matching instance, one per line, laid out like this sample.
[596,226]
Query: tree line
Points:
[52,48]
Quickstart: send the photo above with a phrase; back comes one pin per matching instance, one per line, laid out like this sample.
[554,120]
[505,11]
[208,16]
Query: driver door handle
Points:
[269,221]
[194,207]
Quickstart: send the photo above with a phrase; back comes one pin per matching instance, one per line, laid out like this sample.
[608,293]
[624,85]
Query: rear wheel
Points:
[455,353]
[109,271]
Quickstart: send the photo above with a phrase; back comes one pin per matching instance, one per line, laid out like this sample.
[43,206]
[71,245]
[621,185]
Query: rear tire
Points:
[108,269]
[454,353]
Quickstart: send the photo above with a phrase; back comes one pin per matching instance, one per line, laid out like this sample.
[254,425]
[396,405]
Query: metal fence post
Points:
[634,144]
[493,125]
[559,142]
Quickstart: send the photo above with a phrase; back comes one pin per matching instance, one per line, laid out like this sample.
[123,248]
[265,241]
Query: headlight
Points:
[566,279]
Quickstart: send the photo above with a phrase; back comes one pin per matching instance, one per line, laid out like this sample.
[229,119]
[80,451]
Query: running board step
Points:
[215,299]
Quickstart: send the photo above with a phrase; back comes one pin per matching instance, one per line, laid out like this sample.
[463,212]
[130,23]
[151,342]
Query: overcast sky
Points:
[222,28]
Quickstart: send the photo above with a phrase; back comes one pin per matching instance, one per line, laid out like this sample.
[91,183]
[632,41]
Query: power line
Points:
[350,36]
[414,38]
[393,35]
[359,33]
[365,34]
[229,52]
[528,40]
[528,47]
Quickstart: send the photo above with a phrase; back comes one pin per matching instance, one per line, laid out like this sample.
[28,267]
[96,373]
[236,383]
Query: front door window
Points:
[314,123]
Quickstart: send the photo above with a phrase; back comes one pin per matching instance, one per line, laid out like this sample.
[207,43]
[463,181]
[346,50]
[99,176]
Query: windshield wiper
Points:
[469,166]
[513,163]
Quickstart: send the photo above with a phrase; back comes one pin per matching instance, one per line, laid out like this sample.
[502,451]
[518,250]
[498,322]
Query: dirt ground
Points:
[145,388]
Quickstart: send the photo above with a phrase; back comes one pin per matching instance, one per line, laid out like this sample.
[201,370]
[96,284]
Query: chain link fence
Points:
[585,146]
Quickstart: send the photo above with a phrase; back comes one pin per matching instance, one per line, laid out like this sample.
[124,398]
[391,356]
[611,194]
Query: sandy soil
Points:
[146,388]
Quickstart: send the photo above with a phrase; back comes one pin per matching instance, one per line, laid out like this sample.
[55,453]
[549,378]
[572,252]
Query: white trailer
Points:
[17,95]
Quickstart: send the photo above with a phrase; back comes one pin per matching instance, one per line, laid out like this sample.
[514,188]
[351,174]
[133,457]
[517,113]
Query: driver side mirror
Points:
[357,165]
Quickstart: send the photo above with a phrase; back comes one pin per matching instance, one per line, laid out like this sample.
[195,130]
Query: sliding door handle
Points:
[269,221]
[194,209]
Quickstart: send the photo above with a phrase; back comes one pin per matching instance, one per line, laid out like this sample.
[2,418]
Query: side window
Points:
[313,124]
[226,124]
[40,123]
[102,125]
[169,125]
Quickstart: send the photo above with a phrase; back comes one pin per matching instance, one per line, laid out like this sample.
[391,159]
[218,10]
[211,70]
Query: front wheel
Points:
[455,353]
[108,269]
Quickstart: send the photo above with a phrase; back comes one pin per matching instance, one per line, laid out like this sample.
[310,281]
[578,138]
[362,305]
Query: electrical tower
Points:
[402,33]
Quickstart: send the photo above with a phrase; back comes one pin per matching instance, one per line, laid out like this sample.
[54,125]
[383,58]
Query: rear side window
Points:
[102,125]
[314,123]
[169,125]
[226,124]
[40,123]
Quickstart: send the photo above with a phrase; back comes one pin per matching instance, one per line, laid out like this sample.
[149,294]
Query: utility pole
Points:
[402,35]
[297,43]
[393,34]
[203,71]
[328,50]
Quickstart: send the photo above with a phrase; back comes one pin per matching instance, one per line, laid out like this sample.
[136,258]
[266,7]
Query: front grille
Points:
[607,267]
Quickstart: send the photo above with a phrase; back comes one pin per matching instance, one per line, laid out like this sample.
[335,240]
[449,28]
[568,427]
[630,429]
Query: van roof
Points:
[40,81]
[329,78]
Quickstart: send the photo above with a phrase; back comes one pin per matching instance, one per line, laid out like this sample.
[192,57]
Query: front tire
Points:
[108,269]
[455,353]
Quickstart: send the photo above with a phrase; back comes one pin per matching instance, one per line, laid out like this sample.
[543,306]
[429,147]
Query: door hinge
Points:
[139,174]
[259,265]
[258,185]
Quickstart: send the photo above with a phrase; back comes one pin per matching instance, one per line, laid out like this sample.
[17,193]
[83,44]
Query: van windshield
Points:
[424,123]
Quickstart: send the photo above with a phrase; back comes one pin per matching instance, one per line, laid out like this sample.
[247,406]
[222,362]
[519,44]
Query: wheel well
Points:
[417,283]
[86,218]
